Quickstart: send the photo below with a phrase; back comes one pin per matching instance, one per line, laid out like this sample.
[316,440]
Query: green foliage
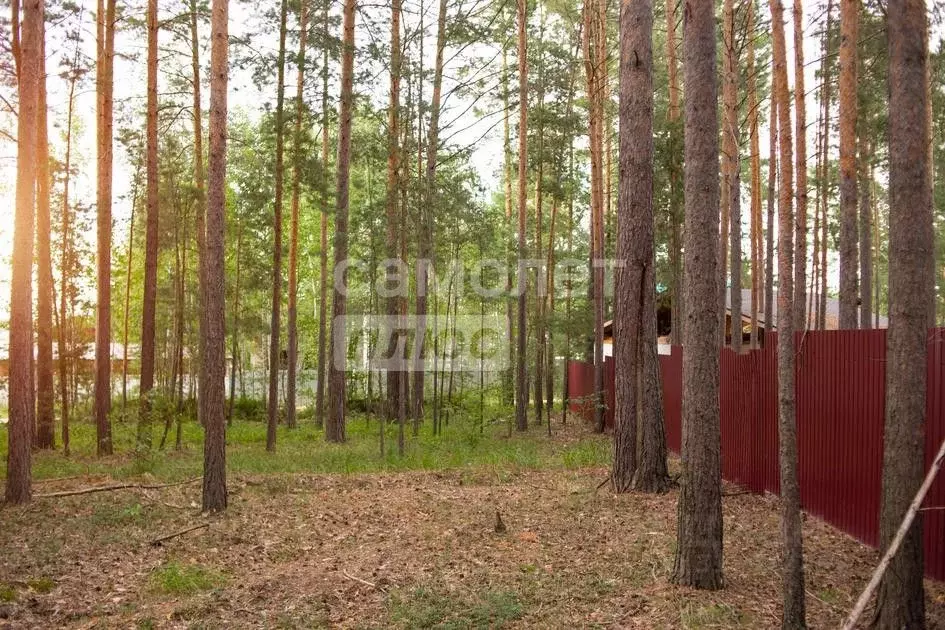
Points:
[7,593]
[460,447]
[434,607]
[174,578]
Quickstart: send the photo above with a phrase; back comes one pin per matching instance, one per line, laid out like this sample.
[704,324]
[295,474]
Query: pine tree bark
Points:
[393,210]
[800,217]
[45,395]
[769,219]
[425,253]
[335,425]
[149,302]
[729,166]
[698,561]
[214,446]
[864,181]
[200,197]
[675,169]
[849,26]
[595,65]
[638,408]
[323,232]
[539,224]
[64,261]
[127,314]
[292,309]
[21,394]
[827,81]
[102,394]
[793,613]
[757,270]
[275,317]
[235,332]
[521,382]
[901,598]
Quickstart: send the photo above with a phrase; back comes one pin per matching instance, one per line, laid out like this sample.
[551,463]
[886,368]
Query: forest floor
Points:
[405,549]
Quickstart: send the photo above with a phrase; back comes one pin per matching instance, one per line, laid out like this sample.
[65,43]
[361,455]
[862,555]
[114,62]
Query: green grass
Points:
[427,607]
[304,450]
[174,578]
[7,593]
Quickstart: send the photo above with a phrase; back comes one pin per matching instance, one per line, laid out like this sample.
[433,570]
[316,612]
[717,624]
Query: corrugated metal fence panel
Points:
[934,520]
[840,396]
[671,375]
[580,388]
[840,405]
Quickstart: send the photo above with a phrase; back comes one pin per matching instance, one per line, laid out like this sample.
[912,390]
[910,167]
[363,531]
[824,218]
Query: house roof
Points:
[832,315]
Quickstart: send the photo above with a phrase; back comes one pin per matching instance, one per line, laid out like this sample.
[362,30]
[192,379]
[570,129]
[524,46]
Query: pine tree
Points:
[214,446]
[292,309]
[149,304]
[21,394]
[849,27]
[335,424]
[901,601]
[45,397]
[102,395]
[275,330]
[698,560]
[793,614]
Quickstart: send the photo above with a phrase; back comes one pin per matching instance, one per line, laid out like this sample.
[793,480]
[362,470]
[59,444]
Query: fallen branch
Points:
[357,579]
[158,541]
[603,483]
[896,541]
[120,486]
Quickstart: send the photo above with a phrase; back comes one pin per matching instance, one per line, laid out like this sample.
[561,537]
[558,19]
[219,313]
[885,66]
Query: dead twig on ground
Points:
[120,486]
[365,582]
[157,541]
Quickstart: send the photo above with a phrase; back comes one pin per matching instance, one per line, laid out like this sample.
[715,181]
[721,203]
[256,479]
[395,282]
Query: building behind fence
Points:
[840,393]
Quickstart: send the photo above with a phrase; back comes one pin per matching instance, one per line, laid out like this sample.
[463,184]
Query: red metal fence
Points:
[840,392]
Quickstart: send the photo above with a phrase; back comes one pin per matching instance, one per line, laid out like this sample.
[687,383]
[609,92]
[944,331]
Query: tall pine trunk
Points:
[149,303]
[800,217]
[425,253]
[757,269]
[393,210]
[698,560]
[102,395]
[214,446]
[769,219]
[634,233]
[521,383]
[729,166]
[65,286]
[199,198]
[675,173]
[849,26]
[323,233]
[864,182]
[21,394]
[292,310]
[911,289]
[335,425]
[595,67]
[45,396]
[793,614]
[275,327]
